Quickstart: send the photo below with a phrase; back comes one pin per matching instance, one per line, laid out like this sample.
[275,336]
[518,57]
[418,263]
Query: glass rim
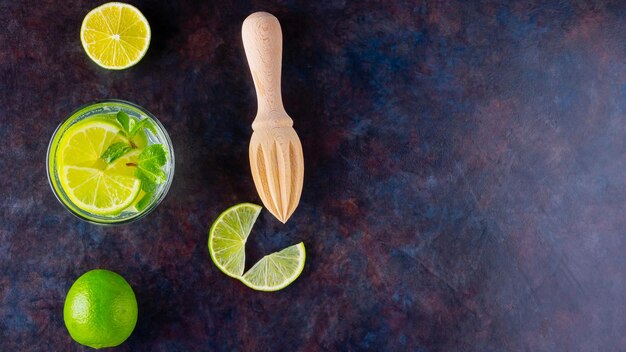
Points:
[153,204]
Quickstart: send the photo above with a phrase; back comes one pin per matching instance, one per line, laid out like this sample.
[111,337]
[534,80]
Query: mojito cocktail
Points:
[110,162]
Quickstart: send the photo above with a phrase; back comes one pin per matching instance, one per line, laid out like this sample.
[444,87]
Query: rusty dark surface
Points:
[464,190]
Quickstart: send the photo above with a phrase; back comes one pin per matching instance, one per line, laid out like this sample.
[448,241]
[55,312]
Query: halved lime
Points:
[277,270]
[115,35]
[88,181]
[228,235]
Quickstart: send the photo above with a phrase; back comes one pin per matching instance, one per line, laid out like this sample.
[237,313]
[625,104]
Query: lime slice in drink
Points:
[84,142]
[277,270]
[228,235]
[115,35]
[88,181]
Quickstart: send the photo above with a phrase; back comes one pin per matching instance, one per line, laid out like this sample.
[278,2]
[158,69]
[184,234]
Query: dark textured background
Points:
[464,185]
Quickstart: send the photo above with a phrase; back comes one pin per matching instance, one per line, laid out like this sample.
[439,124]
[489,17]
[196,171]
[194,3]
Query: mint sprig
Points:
[115,151]
[145,201]
[151,160]
[149,167]
[143,124]
[126,121]
[130,127]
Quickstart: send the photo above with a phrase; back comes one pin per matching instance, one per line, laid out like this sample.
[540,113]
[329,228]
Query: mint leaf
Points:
[143,203]
[150,177]
[114,151]
[155,153]
[149,167]
[147,185]
[126,121]
[152,172]
[143,124]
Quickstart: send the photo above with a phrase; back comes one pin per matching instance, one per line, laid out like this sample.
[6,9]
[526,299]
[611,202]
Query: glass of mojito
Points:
[110,162]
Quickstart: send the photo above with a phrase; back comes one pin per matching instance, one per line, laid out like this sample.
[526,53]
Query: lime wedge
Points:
[115,35]
[277,270]
[228,235]
[88,181]
[227,246]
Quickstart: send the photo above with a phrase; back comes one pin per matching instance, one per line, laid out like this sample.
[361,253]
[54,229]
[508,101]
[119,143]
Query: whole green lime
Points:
[100,309]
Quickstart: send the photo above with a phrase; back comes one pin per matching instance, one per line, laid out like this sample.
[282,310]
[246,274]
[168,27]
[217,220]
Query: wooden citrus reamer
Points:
[276,158]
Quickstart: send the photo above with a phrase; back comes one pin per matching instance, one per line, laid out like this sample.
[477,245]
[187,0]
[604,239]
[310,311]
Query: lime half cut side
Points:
[228,236]
[277,270]
[115,35]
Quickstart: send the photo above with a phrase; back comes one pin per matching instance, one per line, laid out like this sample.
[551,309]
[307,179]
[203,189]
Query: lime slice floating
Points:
[228,235]
[277,270]
[227,242]
[115,35]
[88,181]
[84,142]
